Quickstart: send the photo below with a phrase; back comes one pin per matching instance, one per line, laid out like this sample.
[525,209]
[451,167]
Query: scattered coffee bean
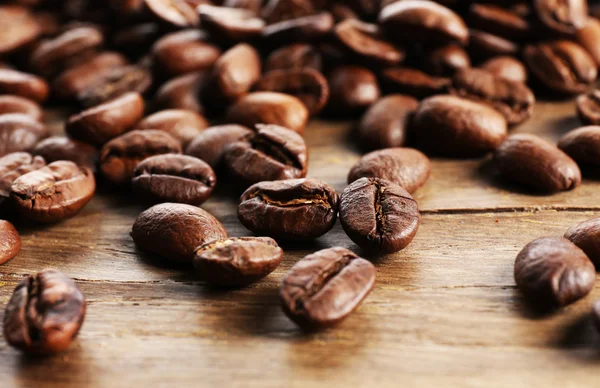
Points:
[10,242]
[303,29]
[19,28]
[182,124]
[499,21]
[114,83]
[294,56]
[583,145]
[352,89]
[16,104]
[588,107]
[44,314]
[57,148]
[19,132]
[483,45]
[211,143]
[586,235]
[562,16]
[325,287]
[506,67]
[276,11]
[413,82]
[588,37]
[446,60]
[13,166]
[24,85]
[230,25]
[175,12]
[251,5]
[181,93]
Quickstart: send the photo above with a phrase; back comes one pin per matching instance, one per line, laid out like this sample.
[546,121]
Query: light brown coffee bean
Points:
[506,67]
[184,125]
[562,16]
[10,242]
[19,28]
[230,25]
[13,166]
[57,148]
[179,13]
[19,132]
[24,85]
[16,104]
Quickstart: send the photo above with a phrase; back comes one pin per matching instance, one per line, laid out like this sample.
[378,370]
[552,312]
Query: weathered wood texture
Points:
[444,312]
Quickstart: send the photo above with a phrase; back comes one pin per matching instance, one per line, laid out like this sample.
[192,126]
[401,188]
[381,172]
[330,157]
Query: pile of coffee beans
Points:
[170,97]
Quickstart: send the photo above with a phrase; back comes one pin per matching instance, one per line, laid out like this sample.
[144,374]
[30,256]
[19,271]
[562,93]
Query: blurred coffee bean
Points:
[211,143]
[114,83]
[184,125]
[588,37]
[137,40]
[446,60]
[562,16]
[10,242]
[484,45]
[16,104]
[294,56]
[506,67]
[304,29]
[230,25]
[414,82]
[583,145]
[19,28]
[588,107]
[586,235]
[181,93]
[13,166]
[57,148]
[251,5]
[178,13]
[499,21]
[276,11]
[19,132]
[183,52]
[24,85]
[352,89]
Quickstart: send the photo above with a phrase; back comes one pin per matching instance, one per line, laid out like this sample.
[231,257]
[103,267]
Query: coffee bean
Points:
[562,16]
[174,231]
[406,167]
[506,67]
[104,122]
[174,178]
[294,56]
[181,93]
[19,132]
[269,108]
[120,156]
[483,45]
[325,287]
[513,99]
[54,192]
[211,143]
[552,272]
[588,107]
[586,235]
[136,40]
[230,25]
[308,85]
[562,66]
[454,126]
[341,12]
[352,89]
[446,60]
[386,123]
[303,29]
[24,85]
[10,242]
[583,145]
[276,11]
[237,261]
[413,82]
[175,12]
[182,124]
[422,21]
[536,163]
[588,37]
[57,148]
[13,166]
[19,28]
[499,21]
[114,83]
[44,314]
[251,5]
[379,215]
[295,209]
[16,104]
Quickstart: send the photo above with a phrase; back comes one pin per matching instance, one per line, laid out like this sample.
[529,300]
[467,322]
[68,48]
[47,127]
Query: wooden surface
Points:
[444,312]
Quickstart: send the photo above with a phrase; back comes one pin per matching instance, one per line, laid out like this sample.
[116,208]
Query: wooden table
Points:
[444,312]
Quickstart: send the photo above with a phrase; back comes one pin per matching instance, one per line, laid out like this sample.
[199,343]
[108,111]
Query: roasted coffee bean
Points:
[511,98]
[57,148]
[19,28]
[364,42]
[562,16]
[446,60]
[183,52]
[136,40]
[174,231]
[13,166]
[184,125]
[24,85]
[44,314]
[308,85]
[386,123]
[54,192]
[294,56]
[104,122]
[583,145]
[210,144]
[379,215]
[19,132]
[588,37]
[341,12]
[230,25]
[406,167]
[484,45]
[10,242]
[114,83]
[552,272]
[276,11]
[352,89]
[269,108]
[499,21]
[422,21]
[179,13]
[303,29]
[586,235]
[237,261]
[506,67]
[174,178]
[16,104]
[562,66]
[454,126]
[251,5]
[413,82]
[271,153]
[588,107]
[181,93]
[324,288]
[531,161]
[120,156]
[295,209]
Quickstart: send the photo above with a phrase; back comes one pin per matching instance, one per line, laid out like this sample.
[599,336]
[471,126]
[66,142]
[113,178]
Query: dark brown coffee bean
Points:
[364,41]
[269,108]
[562,66]
[276,11]
[324,288]
[136,40]
[16,104]
[179,13]
[181,93]
[44,314]
[237,261]
[294,56]
[308,85]
[57,148]
[303,29]
[413,82]
[184,125]
[499,21]
[422,21]
[13,166]
[231,25]
[406,167]
[506,67]
[174,178]
[174,231]
[588,107]
[531,161]
[10,242]
[22,84]
[484,45]
[583,145]
[564,16]
[54,192]
[295,209]
[352,89]
[19,132]
[114,83]
[19,28]
[120,156]
[183,52]
[210,144]
[271,153]
[101,123]
[454,126]
[386,123]
[446,60]
[586,235]
[513,99]
[588,37]
[552,272]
